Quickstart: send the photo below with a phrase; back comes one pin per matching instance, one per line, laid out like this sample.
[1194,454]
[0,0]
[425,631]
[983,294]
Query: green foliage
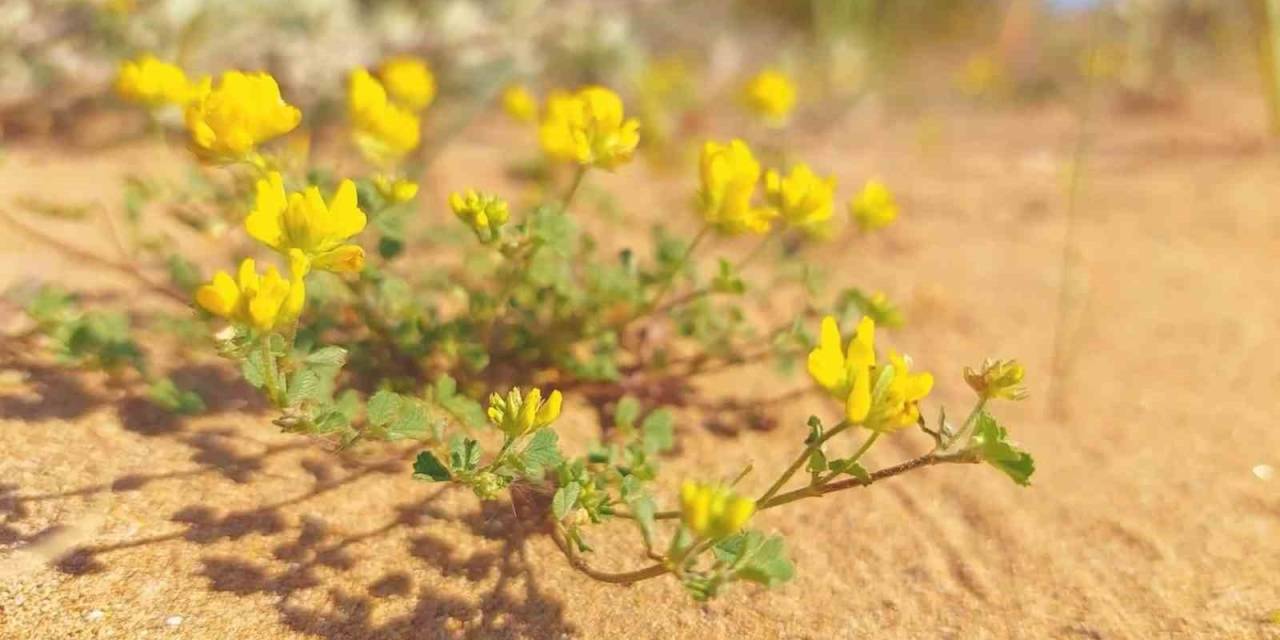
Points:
[992,443]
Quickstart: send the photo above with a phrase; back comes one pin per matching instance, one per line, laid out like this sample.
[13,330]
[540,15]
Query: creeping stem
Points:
[802,458]
[576,561]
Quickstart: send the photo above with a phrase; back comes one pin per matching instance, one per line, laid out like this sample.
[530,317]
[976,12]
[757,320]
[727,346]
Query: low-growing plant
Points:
[352,337]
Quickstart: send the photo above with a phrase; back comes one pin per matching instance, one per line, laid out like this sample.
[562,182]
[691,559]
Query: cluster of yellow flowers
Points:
[484,213]
[250,299]
[304,222]
[802,198]
[518,414]
[881,398]
[153,83]
[712,511]
[588,128]
[228,121]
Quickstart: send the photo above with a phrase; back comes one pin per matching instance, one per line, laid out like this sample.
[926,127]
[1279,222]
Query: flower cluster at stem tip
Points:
[303,221]
[151,82]
[519,103]
[383,130]
[874,207]
[802,198]
[850,373]
[729,175]
[485,213]
[518,414]
[228,121]
[712,511]
[260,301]
[588,128]
[997,379]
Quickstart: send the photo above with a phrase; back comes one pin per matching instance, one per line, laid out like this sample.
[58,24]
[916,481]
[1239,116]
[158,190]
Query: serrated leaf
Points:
[756,558]
[464,454]
[658,431]
[327,357]
[427,467]
[817,462]
[851,467]
[541,453]
[564,500]
[382,408]
[304,384]
[992,444]
[410,422]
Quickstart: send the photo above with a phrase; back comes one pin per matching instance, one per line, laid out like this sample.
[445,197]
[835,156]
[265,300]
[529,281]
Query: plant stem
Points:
[799,462]
[576,561]
[578,175]
[269,376]
[926,460]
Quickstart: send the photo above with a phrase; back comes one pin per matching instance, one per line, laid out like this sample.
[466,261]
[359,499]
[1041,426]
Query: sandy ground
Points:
[1150,516]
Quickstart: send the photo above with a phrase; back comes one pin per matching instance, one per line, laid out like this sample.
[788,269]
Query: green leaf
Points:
[327,357]
[817,461]
[755,558]
[991,441]
[383,407]
[541,453]
[642,506]
[427,467]
[254,370]
[304,385]
[410,422]
[658,431]
[626,412]
[564,500]
[464,454]
[851,467]
[750,556]
[168,396]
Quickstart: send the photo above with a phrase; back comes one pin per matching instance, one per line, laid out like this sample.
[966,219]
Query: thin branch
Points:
[576,561]
[93,258]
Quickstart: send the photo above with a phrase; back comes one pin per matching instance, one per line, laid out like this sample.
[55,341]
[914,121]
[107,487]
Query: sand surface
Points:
[1152,514]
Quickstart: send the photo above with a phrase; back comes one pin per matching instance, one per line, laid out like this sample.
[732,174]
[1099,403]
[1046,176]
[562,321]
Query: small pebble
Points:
[1264,471]
[173,621]
[95,615]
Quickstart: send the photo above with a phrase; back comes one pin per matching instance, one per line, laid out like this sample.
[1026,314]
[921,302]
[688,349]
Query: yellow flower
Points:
[713,512]
[245,109]
[874,207]
[588,128]
[519,103]
[259,301]
[517,415]
[409,81]
[302,221]
[845,372]
[153,83]
[897,406]
[384,131]
[771,95]
[395,190]
[802,198]
[729,174]
[998,379]
[484,213]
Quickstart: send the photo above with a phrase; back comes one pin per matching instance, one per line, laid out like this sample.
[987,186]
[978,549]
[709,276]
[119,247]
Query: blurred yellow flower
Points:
[152,82]
[303,221]
[771,95]
[395,190]
[258,301]
[712,511]
[519,103]
[588,128]
[408,81]
[517,415]
[384,131]
[729,174]
[874,207]
[229,121]
[845,372]
[802,198]
[997,379]
[484,213]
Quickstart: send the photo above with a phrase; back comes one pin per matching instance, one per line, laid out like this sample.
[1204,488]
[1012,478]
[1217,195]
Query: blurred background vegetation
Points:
[57,57]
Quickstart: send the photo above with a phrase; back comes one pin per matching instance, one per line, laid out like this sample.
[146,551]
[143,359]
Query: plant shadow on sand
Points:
[307,553]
